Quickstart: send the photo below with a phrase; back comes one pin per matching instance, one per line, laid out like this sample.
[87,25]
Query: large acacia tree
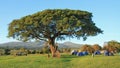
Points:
[54,24]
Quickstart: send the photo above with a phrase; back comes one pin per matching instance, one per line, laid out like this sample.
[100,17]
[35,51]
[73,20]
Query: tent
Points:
[97,52]
[106,53]
[74,52]
[80,54]
[85,53]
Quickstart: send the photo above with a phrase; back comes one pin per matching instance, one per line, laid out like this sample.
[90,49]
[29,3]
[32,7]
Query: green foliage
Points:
[31,51]
[45,50]
[19,52]
[2,51]
[65,50]
[52,24]
[7,51]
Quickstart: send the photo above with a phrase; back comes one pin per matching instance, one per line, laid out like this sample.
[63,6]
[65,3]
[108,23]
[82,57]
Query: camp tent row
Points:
[106,53]
[74,52]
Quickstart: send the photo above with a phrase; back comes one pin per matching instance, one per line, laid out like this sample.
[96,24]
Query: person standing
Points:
[93,54]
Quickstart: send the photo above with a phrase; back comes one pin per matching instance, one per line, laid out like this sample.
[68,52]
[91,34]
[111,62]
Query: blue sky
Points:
[105,14]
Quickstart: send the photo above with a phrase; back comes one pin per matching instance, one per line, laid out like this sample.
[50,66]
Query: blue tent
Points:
[106,53]
[74,52]
[97,52]
[80,54]
[85,53]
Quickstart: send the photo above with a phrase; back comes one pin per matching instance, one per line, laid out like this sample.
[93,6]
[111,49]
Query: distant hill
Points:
[70,45]
[28,45]
[37,45]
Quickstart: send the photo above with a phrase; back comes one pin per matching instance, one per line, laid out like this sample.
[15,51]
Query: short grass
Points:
[66,61]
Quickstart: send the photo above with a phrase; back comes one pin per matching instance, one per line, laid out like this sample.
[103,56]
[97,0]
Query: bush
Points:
[18,52]
[2,51]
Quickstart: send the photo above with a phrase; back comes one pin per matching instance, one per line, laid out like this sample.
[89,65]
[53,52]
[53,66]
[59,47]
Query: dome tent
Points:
[106,53]
[80,54]
[74,52]
[97,52]
[85,53]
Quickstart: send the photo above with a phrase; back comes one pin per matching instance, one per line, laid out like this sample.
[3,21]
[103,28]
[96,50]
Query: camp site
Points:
[59,34]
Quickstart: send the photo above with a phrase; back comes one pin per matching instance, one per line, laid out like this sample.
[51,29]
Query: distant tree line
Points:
[111,46]
[24,51]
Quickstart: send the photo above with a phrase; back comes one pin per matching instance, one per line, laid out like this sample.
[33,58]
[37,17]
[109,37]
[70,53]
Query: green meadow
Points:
[66,61]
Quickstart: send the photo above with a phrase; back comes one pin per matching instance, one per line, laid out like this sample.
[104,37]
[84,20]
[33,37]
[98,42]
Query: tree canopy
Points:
[54,23]
[112,46]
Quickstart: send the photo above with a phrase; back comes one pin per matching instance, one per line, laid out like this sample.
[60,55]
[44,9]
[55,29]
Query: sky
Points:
[106,15]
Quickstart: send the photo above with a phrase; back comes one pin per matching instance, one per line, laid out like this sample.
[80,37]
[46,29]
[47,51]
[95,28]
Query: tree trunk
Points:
[53,48]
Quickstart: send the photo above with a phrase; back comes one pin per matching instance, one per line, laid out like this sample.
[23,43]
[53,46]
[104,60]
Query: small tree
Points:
[54,24]
[87,48]
[96,47]
[112,46]
[7,51]
[2,51]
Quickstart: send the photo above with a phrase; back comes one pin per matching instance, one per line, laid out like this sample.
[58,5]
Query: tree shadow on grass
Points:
[66,60]
[69,56]
[37,61]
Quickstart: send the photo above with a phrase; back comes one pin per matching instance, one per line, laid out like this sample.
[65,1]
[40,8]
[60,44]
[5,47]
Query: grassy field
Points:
[66,61]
